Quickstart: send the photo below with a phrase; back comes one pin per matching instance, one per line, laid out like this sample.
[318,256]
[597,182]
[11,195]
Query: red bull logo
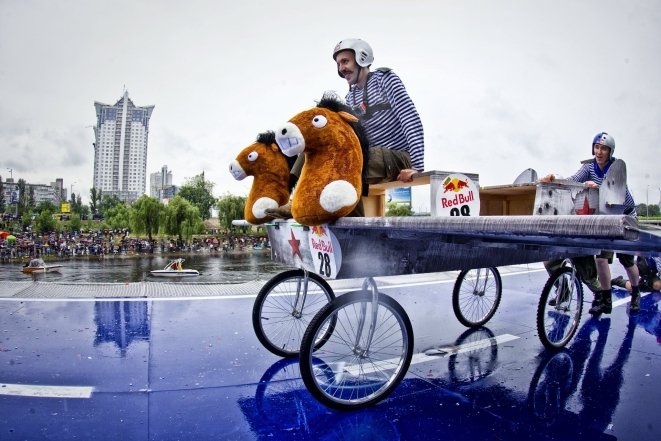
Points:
[455,185]
[319,231]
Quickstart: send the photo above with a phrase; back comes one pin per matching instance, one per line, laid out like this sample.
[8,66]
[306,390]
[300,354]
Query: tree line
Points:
[183,216]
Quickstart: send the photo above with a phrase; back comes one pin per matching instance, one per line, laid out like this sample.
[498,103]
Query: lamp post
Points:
[11,173]
[647,195]
[71,191]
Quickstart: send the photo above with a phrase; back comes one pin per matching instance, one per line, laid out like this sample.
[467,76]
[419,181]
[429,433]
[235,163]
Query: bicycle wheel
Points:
[476,296]
[343,374]
[277,318]
[557,324]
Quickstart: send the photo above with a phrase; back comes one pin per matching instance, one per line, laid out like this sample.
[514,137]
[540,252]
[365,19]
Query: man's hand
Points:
[549,178]
[591,184]
[406,175]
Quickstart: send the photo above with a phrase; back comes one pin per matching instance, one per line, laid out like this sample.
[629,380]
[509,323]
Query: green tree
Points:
[76,203]
[45,222]
[107,202]
[3,202]
[117,216]
[182,219]
[46,205]
[145,215]
[199,192]
[84,211]
[230,207]
[399,210]
[95,199]
[75,223]
[29,204]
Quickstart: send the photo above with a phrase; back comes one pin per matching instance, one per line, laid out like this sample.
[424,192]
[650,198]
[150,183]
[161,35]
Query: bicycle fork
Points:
[297,310]
[363,352]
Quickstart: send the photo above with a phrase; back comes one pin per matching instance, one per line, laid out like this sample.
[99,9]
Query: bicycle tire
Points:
[556,325]
[340,375]
[273,321]
[475,305]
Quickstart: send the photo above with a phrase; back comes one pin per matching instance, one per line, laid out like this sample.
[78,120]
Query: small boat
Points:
[39,266]
[174,269]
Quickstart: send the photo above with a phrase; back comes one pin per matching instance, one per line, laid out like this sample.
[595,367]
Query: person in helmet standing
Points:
[592,174]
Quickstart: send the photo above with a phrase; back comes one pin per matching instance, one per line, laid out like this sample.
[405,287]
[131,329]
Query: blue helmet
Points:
[604,138]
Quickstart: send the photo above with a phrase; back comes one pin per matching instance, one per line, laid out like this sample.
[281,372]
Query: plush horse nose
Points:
[290,139]
[237,171]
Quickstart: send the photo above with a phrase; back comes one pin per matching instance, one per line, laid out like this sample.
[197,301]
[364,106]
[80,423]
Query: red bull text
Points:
[459,199]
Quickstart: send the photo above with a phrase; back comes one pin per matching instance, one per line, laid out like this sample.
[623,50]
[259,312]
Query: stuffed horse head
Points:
[270,189]
[335,147]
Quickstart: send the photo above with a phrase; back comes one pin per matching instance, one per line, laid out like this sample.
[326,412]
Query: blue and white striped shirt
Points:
[591,172]
[397,128]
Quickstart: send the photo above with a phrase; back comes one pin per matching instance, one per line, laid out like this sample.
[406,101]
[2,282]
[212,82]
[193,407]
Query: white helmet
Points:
[604,138]
[362,51]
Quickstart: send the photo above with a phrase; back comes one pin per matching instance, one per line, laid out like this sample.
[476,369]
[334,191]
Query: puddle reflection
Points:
[121,323]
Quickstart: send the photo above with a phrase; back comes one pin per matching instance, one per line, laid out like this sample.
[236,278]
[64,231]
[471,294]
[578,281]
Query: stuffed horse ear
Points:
[270,189]
[347,117]
[330,184]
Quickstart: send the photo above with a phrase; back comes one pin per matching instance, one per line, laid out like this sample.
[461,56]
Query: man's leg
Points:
[384,165]
[634,278]
[604,276]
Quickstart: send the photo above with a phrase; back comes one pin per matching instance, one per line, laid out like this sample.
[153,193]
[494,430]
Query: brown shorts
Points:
[625,259]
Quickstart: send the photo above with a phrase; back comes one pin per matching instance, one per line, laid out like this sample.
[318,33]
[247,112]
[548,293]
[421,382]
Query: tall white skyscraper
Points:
[120,151]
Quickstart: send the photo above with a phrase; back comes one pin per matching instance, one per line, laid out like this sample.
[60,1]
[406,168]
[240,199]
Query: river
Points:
[213,268]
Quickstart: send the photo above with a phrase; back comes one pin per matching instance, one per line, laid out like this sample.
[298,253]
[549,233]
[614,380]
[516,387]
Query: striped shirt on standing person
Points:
[396,128]
[590,172]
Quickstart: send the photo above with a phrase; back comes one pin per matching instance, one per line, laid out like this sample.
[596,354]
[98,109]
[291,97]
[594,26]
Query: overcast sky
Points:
[500,86]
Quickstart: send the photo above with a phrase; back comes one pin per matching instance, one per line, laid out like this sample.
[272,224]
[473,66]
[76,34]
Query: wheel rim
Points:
[279,324]
[346,374]
[478,295]
[561,320]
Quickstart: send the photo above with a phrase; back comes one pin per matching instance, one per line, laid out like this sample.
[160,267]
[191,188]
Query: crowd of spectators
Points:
[119,242]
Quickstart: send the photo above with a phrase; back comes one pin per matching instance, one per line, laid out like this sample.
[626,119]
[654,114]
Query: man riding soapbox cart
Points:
[355,349]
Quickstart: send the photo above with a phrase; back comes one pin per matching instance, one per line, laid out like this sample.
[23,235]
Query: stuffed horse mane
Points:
[331,101]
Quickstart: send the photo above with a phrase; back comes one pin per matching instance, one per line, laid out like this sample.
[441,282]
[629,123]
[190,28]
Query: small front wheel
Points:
[560,307]
[476,296]
[283,310]
[349,372]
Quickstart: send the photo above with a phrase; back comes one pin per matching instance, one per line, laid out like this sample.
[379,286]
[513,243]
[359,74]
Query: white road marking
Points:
[626,300]
[227,297]
[29,390]
[429,355]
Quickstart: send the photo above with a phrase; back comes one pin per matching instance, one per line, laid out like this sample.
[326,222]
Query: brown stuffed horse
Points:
[334,144]
[270,168]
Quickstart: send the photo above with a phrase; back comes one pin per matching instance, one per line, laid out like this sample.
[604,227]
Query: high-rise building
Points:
[160,184]
[120,151]
[159,180]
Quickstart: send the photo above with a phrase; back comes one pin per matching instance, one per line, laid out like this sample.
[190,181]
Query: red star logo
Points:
[295,243]
[586,208]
